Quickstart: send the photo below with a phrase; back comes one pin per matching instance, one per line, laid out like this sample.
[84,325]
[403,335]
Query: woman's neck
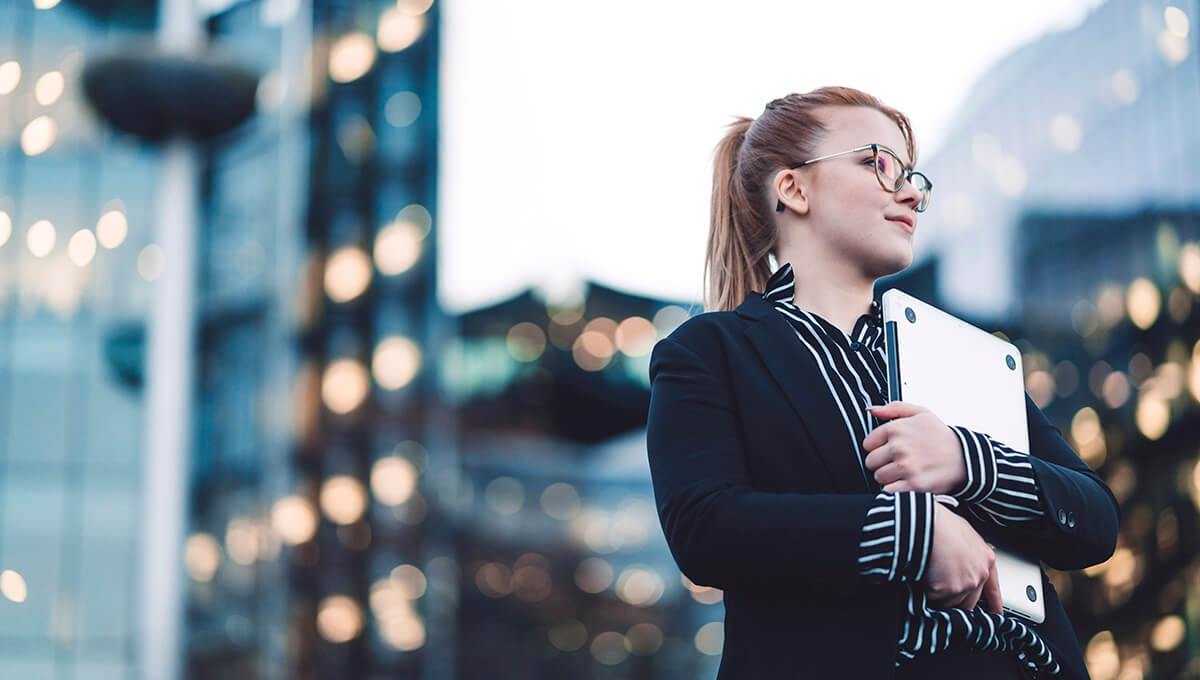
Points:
[832,293]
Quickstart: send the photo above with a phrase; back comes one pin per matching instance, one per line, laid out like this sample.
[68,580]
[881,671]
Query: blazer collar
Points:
[799,377]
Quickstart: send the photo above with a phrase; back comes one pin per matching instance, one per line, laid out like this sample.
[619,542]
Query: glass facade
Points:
[75,256]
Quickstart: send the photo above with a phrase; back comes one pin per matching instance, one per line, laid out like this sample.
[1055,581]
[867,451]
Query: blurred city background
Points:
[244,433]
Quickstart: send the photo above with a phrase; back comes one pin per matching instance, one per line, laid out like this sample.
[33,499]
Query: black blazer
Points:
[759,495]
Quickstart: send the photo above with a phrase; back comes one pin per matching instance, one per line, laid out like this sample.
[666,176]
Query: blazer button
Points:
[1071,520]
[1062,516]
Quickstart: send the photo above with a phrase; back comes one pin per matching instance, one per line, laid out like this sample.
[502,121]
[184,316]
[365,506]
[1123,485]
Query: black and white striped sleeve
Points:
[897,536]
[1000,483]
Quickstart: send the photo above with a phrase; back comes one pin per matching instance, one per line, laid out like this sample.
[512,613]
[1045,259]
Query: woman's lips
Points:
[903,224]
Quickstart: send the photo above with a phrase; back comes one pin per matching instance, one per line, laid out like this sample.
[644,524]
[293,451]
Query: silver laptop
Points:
[971,378]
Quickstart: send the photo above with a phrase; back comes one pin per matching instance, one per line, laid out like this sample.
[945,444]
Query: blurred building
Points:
[1094,120]
[565,569]
[1066,187]
[75,262]
[312,550]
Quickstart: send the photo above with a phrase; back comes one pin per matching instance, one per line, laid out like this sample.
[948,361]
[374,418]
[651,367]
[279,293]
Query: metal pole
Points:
[169,368]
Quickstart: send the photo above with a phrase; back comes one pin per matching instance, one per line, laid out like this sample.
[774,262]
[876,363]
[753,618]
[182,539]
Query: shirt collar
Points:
[781,288]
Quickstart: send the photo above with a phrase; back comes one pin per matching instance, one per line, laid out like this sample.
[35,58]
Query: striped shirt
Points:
[897,533]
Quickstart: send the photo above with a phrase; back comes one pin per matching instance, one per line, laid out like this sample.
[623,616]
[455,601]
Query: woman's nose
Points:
[908,194]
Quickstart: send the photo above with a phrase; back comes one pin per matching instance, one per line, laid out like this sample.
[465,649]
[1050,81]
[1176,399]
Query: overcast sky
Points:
[577,136]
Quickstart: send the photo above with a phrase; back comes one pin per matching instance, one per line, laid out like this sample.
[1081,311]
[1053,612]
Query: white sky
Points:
[577,136]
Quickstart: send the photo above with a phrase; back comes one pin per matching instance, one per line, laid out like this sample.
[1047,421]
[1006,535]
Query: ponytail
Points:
[742,234]
[736,261]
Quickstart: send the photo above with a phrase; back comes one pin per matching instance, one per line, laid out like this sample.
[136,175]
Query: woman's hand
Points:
[962,566]
[915,451]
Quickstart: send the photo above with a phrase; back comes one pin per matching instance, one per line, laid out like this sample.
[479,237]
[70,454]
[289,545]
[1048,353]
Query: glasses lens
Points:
[922,184]
[889,169]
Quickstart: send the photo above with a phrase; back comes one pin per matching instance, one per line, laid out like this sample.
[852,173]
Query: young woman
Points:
[782,475]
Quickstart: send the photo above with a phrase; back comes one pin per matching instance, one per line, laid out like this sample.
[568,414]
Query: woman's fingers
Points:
[881,456]
[972,598]
[991,591]
[888,473]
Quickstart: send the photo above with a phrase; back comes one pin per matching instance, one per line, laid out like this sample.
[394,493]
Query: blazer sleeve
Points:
[1081,513]
[721,530]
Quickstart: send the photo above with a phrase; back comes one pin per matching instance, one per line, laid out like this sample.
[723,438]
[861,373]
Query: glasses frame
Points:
[926,195]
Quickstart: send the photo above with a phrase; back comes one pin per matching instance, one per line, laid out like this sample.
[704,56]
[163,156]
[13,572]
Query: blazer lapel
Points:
[800,379]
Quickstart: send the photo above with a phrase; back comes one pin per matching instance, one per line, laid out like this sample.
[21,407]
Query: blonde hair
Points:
[742,231]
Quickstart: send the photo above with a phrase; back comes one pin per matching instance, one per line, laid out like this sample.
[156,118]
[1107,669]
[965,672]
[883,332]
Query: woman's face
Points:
[848,209]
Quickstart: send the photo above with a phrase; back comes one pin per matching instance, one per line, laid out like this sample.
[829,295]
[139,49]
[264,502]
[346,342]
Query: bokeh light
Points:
[202,556]
[398,246]
[494,580]
[1125,86]
[1103,659]
[81,248]
[1144,302]
[150,262]
[702,594]
[640,586]
[593,575]
[1152,416]
[1088,437]
[402,109]
[350,57]
[1176,21]
[399,29]
[242,541]
[344,386]
[635,336]
[525,341]
[710,639]
[112,228]
[41,238]
[667,319]
[393,480]
[347,273]
[339,618]
[1174,49]
[10,77]
[561,501]
[294,519]
[12,585]
[403,631]
[505,495]
[568,636]
[49,88]
[1167,633]
[592,350]
[1116,389]
[609,648]
[409,580]
[38,135]
[643,639]
[395,362]
[343,499]
[1066,132]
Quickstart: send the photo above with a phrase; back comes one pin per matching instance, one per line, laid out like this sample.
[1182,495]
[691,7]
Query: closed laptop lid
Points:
[962,373]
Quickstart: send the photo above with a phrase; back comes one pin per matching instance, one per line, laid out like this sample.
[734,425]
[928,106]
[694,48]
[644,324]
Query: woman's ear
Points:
[790,192]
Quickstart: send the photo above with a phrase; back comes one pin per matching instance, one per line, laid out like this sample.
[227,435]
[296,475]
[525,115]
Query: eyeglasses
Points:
[889,170]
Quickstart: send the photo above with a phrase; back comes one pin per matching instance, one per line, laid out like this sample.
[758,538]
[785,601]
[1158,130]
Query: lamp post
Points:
[172,94]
